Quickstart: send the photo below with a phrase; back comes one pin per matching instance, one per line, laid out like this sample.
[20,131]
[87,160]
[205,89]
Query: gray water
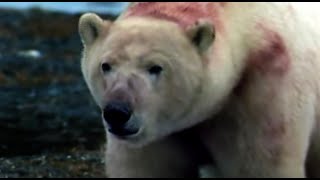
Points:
[70,7]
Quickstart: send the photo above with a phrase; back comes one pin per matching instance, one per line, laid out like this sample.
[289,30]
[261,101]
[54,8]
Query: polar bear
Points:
[230,86]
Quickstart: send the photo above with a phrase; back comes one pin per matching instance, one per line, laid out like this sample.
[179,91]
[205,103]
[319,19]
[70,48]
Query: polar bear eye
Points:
[105,67]
[155,70]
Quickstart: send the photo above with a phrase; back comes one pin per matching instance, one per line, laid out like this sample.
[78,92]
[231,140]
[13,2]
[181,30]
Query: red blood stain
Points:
[272,56]
[183,13]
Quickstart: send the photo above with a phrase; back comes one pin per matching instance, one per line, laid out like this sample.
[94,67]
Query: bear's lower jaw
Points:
[123,132]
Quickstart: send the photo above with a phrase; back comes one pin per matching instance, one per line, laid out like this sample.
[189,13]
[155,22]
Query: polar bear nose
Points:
[117,114]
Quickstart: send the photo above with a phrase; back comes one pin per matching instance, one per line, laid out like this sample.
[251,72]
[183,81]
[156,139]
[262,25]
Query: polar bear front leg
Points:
[160,159]
[264,132]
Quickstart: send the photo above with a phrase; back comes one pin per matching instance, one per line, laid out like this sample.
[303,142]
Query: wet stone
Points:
[45,107]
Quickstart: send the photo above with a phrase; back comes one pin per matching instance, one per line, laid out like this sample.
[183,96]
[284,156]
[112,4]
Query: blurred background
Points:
[49,124]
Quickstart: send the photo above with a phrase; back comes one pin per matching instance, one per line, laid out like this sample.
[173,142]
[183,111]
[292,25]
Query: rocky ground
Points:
[49,124]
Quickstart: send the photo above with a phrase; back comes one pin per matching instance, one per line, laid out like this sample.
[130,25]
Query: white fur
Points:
[268,131]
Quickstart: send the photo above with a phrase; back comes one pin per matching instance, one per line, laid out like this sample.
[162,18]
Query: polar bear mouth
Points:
[122,132]
[130,129]
[120,119]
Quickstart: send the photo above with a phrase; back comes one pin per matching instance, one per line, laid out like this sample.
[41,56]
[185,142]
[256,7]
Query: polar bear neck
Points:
[184,14]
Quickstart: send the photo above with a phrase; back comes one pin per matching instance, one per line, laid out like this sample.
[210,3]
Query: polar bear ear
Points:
[201,34]
[91,27]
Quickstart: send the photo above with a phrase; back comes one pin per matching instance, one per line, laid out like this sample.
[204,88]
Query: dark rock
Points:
[76,163]
[44,101]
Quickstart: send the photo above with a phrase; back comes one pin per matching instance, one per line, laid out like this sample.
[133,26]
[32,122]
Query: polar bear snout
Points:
[117,115]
